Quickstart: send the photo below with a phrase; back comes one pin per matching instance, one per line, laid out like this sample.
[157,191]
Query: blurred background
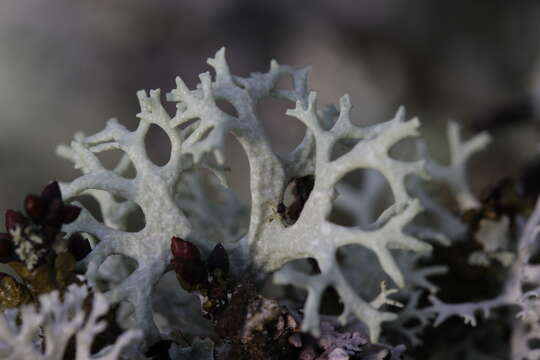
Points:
[70,65]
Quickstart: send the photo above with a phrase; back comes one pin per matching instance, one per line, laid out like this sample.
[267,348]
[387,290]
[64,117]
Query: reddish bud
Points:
[51,192]
[55,212]
[218,260]
[13,218]
[183,249]
[190,270]
[190,273]
[33,205]
[70,213]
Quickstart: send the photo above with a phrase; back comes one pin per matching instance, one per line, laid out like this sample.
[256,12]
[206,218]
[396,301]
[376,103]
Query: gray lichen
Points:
[131,268]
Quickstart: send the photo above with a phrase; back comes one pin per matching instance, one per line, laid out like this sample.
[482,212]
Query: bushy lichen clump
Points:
[197,229]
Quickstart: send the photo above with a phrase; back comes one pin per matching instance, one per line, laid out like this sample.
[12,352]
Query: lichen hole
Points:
[331,303]
[112,210]
[238,169]
[294,198]
[225,106]
[114,270]
[362,197]
[133,220]
[362,270]
[271,112]
[158,145]
[292,293]
[405,150]
[342,147]
[90,204]
[117,161]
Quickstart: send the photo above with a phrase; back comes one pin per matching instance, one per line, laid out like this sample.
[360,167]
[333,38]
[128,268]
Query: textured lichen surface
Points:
[197,132]
[385,261]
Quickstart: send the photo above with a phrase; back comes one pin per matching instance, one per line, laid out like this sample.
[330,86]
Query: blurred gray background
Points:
[70,65]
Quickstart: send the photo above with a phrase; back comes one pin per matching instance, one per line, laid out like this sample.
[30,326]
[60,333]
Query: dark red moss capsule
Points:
[183,249]
[51,192]
[218,260]
[49,209]
[40,228]
[55,213]
[33,205]
[191,274]
[13,218]
[190,269]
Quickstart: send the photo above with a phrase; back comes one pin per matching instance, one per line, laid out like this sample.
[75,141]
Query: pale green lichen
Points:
[197,132]
[178,199]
